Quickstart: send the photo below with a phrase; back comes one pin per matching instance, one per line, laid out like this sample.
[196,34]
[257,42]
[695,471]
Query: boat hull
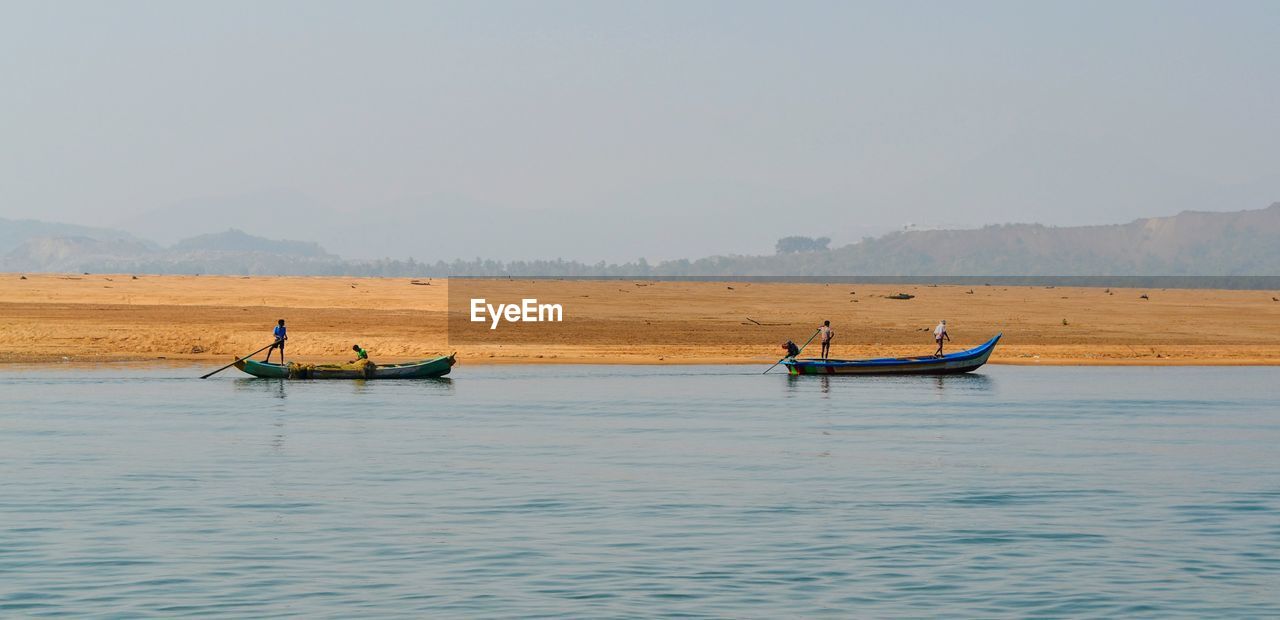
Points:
[425,369]
[954,363]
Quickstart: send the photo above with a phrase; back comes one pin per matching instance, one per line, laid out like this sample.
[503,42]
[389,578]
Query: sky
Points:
[614,130]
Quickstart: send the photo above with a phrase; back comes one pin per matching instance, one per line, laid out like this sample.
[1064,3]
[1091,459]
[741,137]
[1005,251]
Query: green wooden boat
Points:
[435,367]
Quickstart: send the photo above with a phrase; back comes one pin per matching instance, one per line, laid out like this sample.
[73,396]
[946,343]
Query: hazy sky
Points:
[758,119]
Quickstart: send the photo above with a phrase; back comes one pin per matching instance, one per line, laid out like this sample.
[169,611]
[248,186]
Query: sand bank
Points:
[116,317]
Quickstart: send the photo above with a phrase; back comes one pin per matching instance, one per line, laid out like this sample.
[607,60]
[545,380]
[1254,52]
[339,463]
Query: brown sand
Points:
[116,317]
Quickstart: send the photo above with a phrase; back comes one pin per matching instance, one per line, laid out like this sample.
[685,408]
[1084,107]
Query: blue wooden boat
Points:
[435,367]
[952,363]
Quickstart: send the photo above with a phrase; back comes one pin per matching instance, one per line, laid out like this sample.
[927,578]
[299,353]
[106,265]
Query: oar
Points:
[806,343]
[238,361]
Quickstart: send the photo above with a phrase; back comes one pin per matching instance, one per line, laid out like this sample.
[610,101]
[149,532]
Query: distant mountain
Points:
[1190,243]
[70,254]
[233,240]
[445,226]
[268,214]
[14,233]
[230,252]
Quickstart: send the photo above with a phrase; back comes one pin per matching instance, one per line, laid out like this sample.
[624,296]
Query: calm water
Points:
[624,491]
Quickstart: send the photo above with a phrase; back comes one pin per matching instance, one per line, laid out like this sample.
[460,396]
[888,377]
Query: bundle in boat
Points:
[306,371]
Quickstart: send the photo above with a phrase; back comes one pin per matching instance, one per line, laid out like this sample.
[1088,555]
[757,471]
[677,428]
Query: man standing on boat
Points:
[281,335]
[939,333]
[827,335]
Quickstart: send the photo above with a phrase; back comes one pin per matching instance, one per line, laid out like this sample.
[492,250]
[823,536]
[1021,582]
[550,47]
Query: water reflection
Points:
[271,387]
[277,387]
[968,382]
[277,438]
[434,384]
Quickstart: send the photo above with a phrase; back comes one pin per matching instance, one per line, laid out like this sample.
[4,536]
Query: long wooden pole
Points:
[806,343]
[239,360]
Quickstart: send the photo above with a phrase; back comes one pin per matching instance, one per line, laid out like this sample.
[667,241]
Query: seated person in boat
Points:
[361,354]
[281,335]
[939,333]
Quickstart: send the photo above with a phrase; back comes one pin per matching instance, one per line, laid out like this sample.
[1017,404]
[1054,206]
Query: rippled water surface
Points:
[641,491]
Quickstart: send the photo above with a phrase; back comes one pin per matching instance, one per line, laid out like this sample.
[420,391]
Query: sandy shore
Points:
[117,317]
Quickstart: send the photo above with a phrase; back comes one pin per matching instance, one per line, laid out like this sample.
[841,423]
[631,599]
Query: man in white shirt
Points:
[827,335]
[939,333]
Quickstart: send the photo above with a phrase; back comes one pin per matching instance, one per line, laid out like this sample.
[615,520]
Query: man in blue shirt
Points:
[281,336]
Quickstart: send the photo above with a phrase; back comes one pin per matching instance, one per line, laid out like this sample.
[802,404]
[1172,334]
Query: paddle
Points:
[806,343]
[238,361]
